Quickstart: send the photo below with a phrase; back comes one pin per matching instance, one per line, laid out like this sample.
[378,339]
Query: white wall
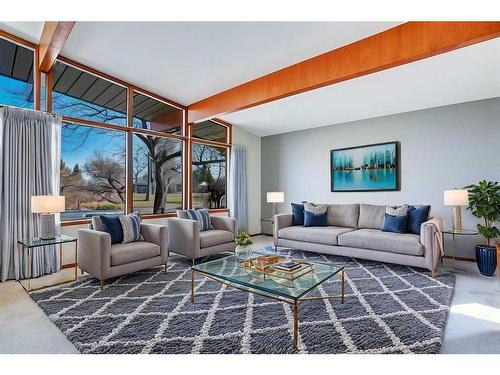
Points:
[252,144]
[441,148]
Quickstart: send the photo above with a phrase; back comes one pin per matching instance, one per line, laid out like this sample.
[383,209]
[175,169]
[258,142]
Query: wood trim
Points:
[399,45]
[157,134]
[17,40]
[94,123]
[48,91]
[68,265]
[37,80]
[75,222]
[129,201]
[54,35]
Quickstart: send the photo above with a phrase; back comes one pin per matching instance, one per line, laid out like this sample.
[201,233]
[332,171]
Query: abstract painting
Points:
[365,168]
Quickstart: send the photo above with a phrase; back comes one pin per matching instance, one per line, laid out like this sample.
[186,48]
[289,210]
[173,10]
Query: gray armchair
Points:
[185,238]
[101,259]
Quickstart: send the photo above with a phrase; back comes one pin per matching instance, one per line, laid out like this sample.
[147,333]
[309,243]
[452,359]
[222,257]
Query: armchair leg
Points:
[101,284]
[433,272]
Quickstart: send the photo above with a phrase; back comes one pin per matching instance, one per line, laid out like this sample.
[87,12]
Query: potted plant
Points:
[484,203]
[243,245]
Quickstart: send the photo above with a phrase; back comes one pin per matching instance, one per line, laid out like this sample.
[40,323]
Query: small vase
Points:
[486,257]
[243,252]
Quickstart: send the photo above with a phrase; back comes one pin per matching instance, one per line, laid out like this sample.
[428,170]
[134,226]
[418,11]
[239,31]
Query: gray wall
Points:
[441,148]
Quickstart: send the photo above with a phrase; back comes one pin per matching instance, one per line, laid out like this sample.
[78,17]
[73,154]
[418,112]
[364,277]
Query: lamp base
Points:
[47,226]
[457,218]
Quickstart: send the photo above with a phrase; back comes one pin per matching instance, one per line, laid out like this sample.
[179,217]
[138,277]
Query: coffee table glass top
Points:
[469,232]
[227,269]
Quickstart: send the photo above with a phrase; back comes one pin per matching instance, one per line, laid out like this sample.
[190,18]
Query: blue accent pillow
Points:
[298,214]
[395,224]
[314,220]
[202,216]
[111,224]
[416,216]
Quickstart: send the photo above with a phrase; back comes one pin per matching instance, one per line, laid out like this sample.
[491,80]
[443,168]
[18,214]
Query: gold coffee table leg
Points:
[192,285]
[295,323]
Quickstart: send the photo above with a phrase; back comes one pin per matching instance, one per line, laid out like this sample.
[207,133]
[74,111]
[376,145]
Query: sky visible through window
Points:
[15,93]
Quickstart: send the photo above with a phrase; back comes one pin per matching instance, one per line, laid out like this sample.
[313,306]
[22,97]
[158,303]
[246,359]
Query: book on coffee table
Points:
[288,266]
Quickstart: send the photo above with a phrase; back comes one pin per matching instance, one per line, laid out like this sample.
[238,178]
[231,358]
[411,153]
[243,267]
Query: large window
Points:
[16,75]
[154,115]
[82,95]
[209,176]
[209,130]
[156,174]
[92,171]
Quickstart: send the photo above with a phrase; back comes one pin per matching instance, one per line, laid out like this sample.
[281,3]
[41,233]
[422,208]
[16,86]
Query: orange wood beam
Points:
[399,45]
[54,35]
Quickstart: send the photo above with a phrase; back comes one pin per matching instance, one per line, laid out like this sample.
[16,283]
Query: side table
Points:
[453,233]
[269,221]
[31,243]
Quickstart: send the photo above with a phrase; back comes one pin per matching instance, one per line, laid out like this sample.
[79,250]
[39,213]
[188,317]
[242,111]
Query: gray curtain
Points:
[238,205]
[29,165]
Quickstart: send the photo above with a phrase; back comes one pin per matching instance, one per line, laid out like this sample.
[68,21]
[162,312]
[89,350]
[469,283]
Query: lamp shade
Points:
[46,204]
[456,197]
[275,197]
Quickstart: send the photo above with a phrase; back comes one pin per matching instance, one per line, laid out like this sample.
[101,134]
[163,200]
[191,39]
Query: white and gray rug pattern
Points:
[388,309]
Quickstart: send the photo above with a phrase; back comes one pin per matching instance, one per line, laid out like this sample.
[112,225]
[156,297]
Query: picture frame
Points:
[372,167]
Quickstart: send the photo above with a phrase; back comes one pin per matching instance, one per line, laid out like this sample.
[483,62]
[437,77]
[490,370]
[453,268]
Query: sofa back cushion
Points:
[371,216]
[343,215]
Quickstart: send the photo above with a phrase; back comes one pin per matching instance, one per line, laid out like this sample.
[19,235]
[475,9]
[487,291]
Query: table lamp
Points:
[47,206]
[275,197]
[456,198]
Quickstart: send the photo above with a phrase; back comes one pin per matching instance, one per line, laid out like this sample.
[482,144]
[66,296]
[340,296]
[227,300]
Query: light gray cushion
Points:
[371,216]
[215,237]
[125,253]
[322,235]
[343,215]
[374,239]
[182,214]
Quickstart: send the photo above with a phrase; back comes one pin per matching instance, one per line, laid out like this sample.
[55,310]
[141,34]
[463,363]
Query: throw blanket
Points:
[438,234]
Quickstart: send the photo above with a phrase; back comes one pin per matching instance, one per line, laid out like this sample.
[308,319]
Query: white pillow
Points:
[397,211]
[315,208]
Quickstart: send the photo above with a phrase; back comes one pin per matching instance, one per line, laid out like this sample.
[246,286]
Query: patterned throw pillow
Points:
[397,211]
[315,208]
[201,216]
[131,226]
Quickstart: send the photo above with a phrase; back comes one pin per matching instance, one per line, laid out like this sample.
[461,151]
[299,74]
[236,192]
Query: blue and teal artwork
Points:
[365,168]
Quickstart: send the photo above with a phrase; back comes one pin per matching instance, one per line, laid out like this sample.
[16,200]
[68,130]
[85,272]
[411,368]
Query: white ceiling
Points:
[189,61]
[463,75]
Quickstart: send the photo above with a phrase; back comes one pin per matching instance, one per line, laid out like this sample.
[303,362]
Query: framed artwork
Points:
[365,168]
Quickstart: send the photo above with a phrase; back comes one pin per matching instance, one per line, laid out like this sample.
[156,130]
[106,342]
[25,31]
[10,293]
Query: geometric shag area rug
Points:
[388,309]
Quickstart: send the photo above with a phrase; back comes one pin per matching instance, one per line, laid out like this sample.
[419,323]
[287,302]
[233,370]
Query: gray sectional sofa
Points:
[355,230]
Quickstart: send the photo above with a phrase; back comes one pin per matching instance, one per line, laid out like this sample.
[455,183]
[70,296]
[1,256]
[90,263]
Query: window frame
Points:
[128,129]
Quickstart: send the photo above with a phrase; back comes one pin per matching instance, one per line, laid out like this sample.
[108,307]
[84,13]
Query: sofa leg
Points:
[433,272]
[101,284]
[166,263]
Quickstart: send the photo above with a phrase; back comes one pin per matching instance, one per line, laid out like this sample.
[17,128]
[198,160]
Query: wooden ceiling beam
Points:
[399,45]
[54,35]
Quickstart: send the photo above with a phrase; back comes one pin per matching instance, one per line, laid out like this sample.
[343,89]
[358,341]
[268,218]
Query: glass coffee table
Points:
[229,270]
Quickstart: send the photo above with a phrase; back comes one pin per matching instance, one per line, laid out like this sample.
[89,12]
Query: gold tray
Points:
[251,266]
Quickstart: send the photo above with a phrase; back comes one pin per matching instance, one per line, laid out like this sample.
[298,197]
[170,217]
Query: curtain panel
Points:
[30,143]
[238,205]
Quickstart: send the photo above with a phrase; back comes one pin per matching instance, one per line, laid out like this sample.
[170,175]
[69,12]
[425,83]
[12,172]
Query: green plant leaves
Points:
[243,239]
[484,203]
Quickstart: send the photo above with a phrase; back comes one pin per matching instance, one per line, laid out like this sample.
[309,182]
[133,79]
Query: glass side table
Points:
[31,243]
[454,233]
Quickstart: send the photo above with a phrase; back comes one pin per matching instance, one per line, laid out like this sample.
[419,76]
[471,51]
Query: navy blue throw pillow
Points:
[416,216]
[112,225]
[297,214]
[314,220]
[395,224]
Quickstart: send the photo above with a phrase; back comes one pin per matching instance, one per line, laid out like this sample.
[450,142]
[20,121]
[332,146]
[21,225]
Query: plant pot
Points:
[243,252]
[486,257]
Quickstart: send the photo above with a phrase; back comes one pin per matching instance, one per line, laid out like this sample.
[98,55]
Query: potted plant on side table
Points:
[484,203]
[243,245]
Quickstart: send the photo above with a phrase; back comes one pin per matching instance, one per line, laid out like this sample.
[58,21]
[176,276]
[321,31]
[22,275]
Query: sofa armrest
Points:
[224,223]
[94,252]
[184,237]
[157,234]
[281,221]
[432,245]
